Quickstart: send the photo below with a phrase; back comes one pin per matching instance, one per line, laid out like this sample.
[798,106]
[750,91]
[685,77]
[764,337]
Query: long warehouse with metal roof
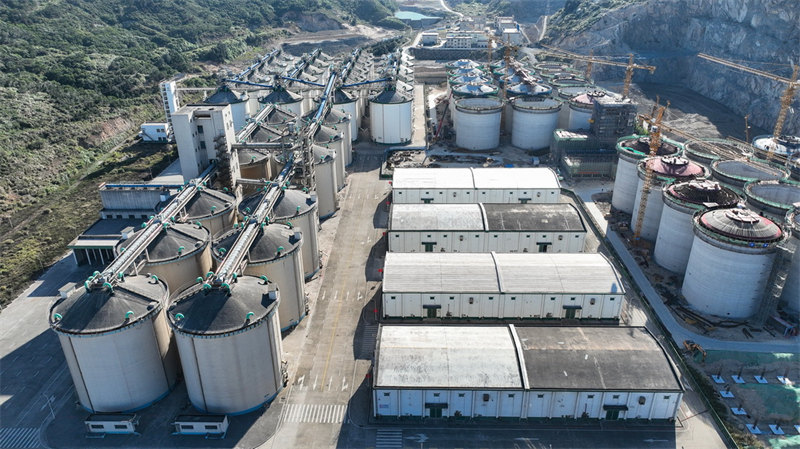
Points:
[508,371]
[475,185]
[501,285]
[476,228]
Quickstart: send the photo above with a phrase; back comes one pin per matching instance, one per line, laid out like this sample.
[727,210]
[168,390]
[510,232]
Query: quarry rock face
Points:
[669,33]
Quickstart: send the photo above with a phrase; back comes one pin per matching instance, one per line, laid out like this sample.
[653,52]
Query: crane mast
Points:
[655,144]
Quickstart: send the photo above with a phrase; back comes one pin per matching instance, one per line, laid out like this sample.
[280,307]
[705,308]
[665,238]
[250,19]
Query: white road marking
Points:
[315,413]
[19,437]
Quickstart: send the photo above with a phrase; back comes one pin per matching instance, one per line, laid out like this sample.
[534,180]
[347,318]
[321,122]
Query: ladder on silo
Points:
[775,284]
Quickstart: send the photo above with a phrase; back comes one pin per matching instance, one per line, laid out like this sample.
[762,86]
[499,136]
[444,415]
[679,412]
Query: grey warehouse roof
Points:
[580,273]
[475,178]
[486,217]
[595,358]
[446,357]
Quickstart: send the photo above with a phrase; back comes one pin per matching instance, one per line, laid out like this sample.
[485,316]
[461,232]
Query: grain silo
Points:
[666,170]
[478,123]
[463,64]
[179,254]
[528,90]
[339,121]
[239,101]
[473,90]
[390,116]
[785,147]
[772,198]
[706,151]
[342,101]
[465,72]
[631,150]
[535,120]
[230,344]
[790,298]
[213,209]
[730,262]
[289,100]
[467,79]
[333,139]
[681,201]
[117,343]
[300,210]
[582,106]
[254,164]
[275,253]
[325,174]
[736,173]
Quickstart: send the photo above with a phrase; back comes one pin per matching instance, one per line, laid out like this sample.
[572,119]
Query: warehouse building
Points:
[523,372]
[480,228]
[494,285]
[475,185]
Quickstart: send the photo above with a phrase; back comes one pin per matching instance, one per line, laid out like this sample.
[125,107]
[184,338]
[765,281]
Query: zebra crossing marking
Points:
[389,439]
[315,413]
[19,437]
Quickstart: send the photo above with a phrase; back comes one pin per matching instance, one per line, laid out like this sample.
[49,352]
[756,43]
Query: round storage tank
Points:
[339,121]
[347,104]
[466,72]
[786,147]
[582,106]
[478,123]
[706,151]
[631,150]
[535,120]
[179,254]
[467,79]
[390,117]
[212,209]
[333,139]
[737,173]
[463,64]
[473,90]
[790,298]
[325,174]
[254,164]
[276,254]
[569,81]
[528,90]
[240,105]
[666,169]
[772,198]
[730,262]
[230,344]
[300,210]
[289,100]
[117,343]
[681,201]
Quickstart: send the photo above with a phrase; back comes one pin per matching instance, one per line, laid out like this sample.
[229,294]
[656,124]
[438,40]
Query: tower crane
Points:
[630,66]
[655,144]
[792,85]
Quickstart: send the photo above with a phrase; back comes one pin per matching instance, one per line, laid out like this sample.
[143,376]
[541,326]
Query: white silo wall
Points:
[355,118]
[533,127]
[478,123]
[122,371]
[308,224]
[791,289]
[325,174]
[726,283]
[240,112]
[579,118]
[390,123]
[287,274]
[652,211]
[674,241]
[626,183]
[233,373]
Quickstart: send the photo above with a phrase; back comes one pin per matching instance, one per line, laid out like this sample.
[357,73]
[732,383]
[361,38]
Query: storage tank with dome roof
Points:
[631,150]
[730,262]
[344,102]
[325,174]
[213,209]
[254,164]
[289,100]
[478,123]
[332,139]
[736,173]
[535,120]
[790,298]
[339,121]
[582,106]
[390,116]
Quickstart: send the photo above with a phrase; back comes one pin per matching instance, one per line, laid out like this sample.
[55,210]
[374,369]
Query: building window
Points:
[486,397]
[96,426]
[667,397]
[202,144]
[452,298]
[616,396]
[572,299]
[436,395]
[552,298]
[495,236]
[120,426]
[211,427]
[445,236]
[199,129]
[513,298]
[642,400]
[461,395]
[432,298]
[561,237]
[610,299]
[392,297]
[187,427]
[511,395]
[589,396]
[491,298]
[592,301]
[472,300]
[540,396]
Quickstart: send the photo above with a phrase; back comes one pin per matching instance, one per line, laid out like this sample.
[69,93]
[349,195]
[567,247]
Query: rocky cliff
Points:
[764,34]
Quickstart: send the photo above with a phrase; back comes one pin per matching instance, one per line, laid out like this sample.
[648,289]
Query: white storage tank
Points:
[340,121]
[254,164]
[582,106]
[535,120]
[681,201]
[117,343]
[528,90]
[772,198]
[790,298]
[179,254]
[467,79]
[465,72]
[478,123]
[289,100]
[786,147]
[706,151]
[730,262]
[463,64]
[345,103]
[737,173]
[276,254]
[325,174]
[631,150]
[666,169]
[333,139]
[473,90]
[390,116]
[230,344]
[239,101]
[299,209]
[212,209]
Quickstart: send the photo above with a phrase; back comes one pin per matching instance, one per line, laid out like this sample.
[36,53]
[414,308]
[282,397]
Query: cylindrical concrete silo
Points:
[239,101]
[528,90]
[783,148]
[706,151]
[339,121]
[478,123]
[347,104]
[772,198]
[333,139]
[465,72]
[535,119]
[730,262]
[666,169]
[178,255]
[790,298]
[117,343]
[463,64]
[681,201]
[299,209]
[325,174]
[230,344]
[254,164]
[390,117]
[213,209]
[289,100]
[276,254]
[582,107]
[736,173]
[631,150]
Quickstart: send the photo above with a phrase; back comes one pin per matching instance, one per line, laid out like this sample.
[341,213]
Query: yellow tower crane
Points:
[792,85]
[655,144]
[590,60]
